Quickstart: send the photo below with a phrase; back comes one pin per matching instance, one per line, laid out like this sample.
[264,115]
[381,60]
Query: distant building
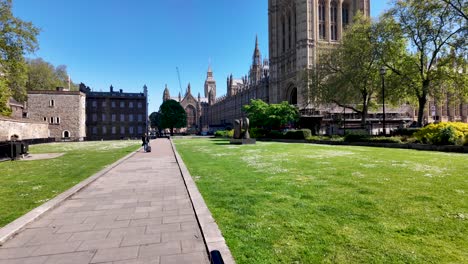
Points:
[115,114]
[64,111]
[17,109]
[208,113]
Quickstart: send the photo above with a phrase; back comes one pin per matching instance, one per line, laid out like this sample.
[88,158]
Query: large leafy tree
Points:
[155,120]
[17,38]
[349,73]
[173,115]
[44,76]
[460,7]
[273,116]
[431,29]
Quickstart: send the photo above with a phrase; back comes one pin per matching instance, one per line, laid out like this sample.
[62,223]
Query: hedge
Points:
[444,133]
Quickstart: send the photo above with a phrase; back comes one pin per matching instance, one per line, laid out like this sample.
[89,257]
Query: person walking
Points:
[145,140]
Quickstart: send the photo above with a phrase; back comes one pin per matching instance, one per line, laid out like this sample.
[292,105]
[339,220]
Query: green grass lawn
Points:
[305,203]
[25,185]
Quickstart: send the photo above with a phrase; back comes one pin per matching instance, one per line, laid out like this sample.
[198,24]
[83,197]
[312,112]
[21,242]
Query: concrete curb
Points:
[19,224]
[213,237]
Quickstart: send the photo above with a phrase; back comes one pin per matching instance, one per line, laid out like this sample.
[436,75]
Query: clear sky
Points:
[132,43]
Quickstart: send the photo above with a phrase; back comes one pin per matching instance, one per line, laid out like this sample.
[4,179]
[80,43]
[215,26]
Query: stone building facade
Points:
[299,32]
[64,111]
[115,115]
[194,107]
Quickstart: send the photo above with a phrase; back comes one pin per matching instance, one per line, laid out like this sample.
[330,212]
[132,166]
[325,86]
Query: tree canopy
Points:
[155,120]
[270,116]
[172,115]
[44,76]
[432,29]
[350,72]
[17,38]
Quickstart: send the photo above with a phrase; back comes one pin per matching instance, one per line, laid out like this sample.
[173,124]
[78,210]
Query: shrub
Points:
[356,137]
[275,134]
[258,133]
[385,140]
[405,131]
[298,134]
[224,133]
[444,133]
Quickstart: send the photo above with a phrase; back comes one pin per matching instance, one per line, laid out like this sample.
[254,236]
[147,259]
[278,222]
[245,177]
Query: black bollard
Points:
[216,257]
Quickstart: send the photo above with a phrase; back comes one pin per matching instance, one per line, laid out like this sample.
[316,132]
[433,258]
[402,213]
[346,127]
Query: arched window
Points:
[191,116]
[293,96]
[66,134]
[334,20]
[345,14]
[321,15]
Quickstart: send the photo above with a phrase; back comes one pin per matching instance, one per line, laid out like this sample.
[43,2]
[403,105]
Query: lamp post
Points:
[383,71]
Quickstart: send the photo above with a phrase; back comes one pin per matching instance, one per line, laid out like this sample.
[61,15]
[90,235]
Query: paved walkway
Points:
[138,212]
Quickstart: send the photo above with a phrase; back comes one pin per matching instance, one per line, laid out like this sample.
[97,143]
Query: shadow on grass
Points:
[221,144]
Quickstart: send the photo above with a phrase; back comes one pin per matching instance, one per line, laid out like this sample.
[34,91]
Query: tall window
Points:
[103,117]
[283,28]
[104,130]
[113,104]
[131,130]
[113,130]
[289,31]
[321,15]
[345,14]
[140,105]
[130,118]
[122,104]
[94,103]
[122,130]
[191,116]
[334,20]
[113,117]
[130,104]
[51,103]
[122,118]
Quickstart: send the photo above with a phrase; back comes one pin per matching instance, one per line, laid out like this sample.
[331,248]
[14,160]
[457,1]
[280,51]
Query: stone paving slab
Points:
[137,212]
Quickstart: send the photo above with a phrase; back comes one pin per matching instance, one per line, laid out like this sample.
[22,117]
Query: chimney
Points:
[121,91]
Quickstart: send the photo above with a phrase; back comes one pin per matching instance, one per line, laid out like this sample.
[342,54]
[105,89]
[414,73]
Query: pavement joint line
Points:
[9,231]
[218,243]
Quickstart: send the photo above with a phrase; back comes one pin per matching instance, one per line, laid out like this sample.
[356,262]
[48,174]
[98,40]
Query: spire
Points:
[189,89]
[166,95]
[257,57]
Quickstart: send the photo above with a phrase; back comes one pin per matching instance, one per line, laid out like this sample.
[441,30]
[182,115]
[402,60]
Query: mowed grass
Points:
[25,185]
[305,203]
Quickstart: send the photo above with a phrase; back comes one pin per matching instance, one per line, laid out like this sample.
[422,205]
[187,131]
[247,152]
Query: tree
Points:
[155,120]
[350,72]
[431,29]
[16,39]
[172,115]
[43,75]
[273,116]
[460,7]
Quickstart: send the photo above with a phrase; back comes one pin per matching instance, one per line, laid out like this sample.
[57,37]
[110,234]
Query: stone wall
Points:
[24,129]
[63,110]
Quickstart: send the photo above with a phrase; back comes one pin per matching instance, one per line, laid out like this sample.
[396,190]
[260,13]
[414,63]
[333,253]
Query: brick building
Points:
[115,114]
[64,111]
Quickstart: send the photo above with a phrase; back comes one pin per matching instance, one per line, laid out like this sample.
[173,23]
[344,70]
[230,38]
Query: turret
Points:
[166,95]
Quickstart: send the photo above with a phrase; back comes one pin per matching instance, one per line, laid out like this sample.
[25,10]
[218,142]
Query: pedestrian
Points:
[145,140]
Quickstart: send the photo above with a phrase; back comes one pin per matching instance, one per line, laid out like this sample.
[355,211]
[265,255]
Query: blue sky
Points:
[132,43]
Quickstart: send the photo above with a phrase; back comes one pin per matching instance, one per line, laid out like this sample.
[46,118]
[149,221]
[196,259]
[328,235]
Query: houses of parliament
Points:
[298,31]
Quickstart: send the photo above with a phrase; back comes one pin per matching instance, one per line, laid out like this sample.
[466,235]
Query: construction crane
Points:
[178,76]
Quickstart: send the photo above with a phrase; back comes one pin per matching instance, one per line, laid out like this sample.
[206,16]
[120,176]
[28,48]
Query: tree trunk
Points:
[422,104]
[172,131]
[365,108]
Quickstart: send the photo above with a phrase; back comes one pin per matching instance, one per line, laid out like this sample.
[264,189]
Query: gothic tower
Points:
[298,31]
[166,95]
[210,83]
[257,67]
